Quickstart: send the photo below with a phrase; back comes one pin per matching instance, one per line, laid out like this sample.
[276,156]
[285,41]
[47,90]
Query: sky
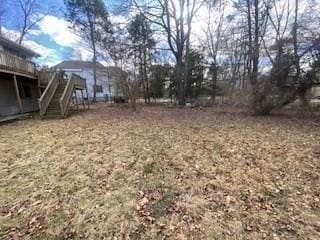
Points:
[52,38]
[55,41]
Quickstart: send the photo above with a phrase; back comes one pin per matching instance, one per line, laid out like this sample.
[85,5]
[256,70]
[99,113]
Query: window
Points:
[98,88]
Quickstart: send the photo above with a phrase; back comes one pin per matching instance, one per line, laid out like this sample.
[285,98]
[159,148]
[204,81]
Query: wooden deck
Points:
[57,90]
[16,65]
[55,100]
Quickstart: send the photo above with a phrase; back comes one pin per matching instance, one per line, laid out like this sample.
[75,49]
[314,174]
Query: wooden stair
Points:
[54,109]
[56,99]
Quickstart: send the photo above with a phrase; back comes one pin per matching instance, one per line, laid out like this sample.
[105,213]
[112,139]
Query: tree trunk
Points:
[186,64]
[255,60]
[146,79]
[20,40]
[94,74]
[295,42]
[214,82]
[249,22]
[133,99]
[94,61]
[181,85]
[141,73]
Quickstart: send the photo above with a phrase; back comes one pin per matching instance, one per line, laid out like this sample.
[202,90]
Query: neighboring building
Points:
[315,96]
[107,77]
[315,92]
[85,70]
[19,91]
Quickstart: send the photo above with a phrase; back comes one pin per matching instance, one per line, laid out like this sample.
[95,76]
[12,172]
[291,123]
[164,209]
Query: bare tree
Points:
[284,82]
[116,47]
[125,75]
[31,13]
[234,68]
[90,18]
[175,19]
[129,82]
[255,12]
[131,86]
[142,43]
[295,41]
[213,38]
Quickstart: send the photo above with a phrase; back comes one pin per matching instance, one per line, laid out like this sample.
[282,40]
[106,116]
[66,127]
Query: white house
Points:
[85,70]
[107,77]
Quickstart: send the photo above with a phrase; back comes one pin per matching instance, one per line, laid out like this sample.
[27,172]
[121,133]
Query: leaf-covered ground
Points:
[160,173]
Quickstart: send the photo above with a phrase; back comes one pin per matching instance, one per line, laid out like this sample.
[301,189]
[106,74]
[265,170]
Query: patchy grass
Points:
[161,206]
[160,173]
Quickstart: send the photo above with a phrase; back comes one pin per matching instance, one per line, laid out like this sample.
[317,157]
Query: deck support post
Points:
[76,98]
[83,103]
[17,93]
[88,98]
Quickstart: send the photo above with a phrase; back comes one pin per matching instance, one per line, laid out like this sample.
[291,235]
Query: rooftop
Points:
[13,45]
[77,64]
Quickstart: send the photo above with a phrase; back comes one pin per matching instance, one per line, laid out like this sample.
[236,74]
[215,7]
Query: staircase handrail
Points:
[74,81]
[48,93]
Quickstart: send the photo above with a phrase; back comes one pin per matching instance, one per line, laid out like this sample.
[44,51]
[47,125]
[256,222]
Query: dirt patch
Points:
[160,173]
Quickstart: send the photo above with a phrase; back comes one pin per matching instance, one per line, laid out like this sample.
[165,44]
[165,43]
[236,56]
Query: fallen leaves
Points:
[160,174]
[142,207]
[230,200]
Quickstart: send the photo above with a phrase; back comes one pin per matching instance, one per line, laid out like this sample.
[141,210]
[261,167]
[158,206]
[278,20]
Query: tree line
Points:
[266,51]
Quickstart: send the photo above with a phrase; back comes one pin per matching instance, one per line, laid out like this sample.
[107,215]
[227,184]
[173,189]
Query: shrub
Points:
[120,99]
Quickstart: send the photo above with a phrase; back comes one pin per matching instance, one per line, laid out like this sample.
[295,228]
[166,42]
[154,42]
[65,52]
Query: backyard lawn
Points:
[160,173]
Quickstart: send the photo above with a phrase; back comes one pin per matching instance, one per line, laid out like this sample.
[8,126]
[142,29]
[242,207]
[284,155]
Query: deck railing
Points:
[47,95]
[16,64]
[44,77]
[74,82]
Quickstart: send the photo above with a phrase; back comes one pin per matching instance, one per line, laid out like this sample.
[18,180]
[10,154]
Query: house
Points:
[315,93]
[106,77]
[19,90]
[24,89]
[85,70]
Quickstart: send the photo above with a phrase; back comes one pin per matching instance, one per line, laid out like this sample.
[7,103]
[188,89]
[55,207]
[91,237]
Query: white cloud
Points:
[82,52]
[48,56]
[118,19]
[59,30]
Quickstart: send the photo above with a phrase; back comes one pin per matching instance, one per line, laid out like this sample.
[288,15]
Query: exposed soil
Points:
[160,173]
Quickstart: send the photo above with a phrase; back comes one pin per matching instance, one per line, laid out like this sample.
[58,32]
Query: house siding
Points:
[88,75]
[315,92]
[31,104]
[8,99]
